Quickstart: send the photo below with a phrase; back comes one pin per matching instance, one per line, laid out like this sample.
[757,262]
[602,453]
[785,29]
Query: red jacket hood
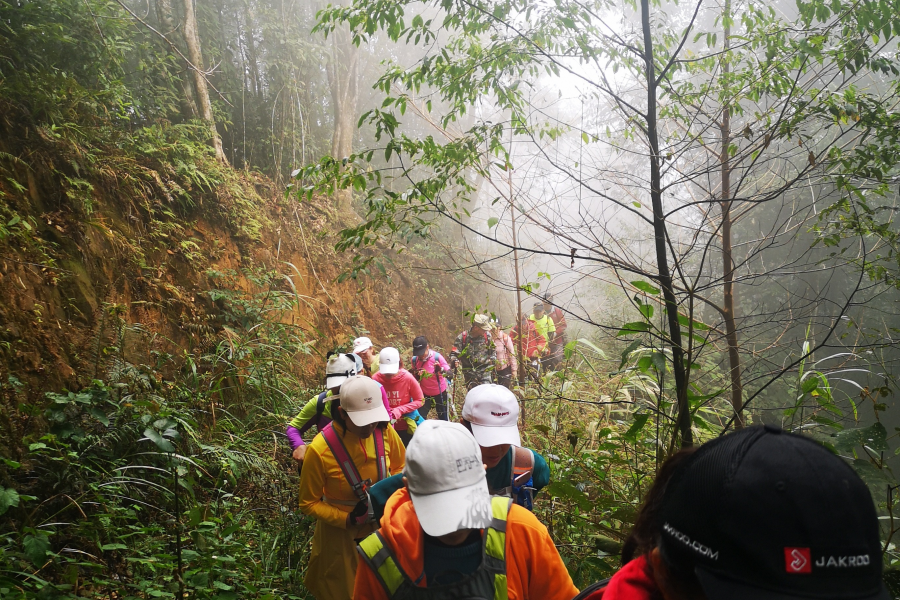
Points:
[632,582]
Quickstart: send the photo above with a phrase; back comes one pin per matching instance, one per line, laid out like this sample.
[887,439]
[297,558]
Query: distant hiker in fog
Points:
[534,345]
[507,366]
[363,348]
[757,514]
[443,537]
[430,369]
[545,327]
[474,351]
[558,343]
[403,391]
[358,448]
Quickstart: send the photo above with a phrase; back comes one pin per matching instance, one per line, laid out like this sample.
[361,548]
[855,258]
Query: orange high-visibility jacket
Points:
[534,569]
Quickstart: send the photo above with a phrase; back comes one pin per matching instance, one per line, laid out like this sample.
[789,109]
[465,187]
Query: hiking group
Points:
[413,508]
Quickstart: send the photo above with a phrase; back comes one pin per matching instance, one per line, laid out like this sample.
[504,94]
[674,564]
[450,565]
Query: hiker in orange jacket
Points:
[444,531]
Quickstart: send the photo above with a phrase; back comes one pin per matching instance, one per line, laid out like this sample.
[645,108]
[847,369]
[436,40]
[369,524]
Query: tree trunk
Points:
[166,18]
[728,311]
[343,78]
[192,41]
[660,235]
[252,59]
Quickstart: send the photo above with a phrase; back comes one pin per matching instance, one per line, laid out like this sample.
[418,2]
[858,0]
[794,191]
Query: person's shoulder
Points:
[318,445]
[521,518]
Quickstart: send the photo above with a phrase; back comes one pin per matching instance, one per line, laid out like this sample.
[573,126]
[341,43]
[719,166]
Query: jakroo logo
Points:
[797,560]
[499,414]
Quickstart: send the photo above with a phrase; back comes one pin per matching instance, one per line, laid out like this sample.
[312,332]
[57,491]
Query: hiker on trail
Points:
[558,343]
[757,514]
[474,351]
[317,411]
[543,324]
[443,537]
[431,370]
[357,448]
[363,348]
[403,391]
[534,345]
[507,367]
[491,412]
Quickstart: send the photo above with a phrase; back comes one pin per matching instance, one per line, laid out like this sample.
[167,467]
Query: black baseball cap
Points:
[419,345]
[762,514]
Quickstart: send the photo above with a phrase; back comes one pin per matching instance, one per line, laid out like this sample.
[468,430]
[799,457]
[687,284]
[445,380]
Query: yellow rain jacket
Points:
[326,495]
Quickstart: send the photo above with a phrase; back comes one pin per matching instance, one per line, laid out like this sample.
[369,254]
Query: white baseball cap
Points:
[361,344]
[493,412]
[446,479]
[339,368]
[388,361]
[361,400]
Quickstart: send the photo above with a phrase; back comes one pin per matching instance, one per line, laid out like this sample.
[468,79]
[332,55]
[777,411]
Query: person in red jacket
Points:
[403,391]
[443,536]
[758,514]
[534,345]
[559,340]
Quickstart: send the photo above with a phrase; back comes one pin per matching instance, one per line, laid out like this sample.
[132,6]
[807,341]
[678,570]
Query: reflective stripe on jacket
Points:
[534,569]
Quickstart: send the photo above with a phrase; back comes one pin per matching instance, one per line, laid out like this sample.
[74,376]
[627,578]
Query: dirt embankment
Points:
[92,235]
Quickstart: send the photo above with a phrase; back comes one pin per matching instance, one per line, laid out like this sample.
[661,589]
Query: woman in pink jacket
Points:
[403,391]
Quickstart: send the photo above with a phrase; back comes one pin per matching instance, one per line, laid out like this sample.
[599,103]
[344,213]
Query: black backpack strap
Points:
[320,406]
[592,589]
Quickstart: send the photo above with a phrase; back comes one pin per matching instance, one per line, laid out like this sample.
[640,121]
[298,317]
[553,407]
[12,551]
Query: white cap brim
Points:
[494,436]
[376,414]
[446,512]
[388,369]
[334,380]
[362,348]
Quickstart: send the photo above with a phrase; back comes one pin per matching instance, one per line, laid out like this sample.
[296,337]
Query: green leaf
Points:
[874,437]
[8,498]
[565,490]
[584,137]
[36,548]
[492,222]
[627,352]
[659,361]
[636,427]
[646,310]
[635,327]
[809,384]
[114,547]
[645,287]
[161,442]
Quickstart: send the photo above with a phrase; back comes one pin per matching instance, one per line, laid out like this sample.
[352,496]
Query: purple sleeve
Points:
[294,437]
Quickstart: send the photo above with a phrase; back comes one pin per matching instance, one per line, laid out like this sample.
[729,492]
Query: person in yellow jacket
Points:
[444,537]
[358,448]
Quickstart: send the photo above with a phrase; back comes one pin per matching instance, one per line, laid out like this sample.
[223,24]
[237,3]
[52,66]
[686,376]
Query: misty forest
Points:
[200,200]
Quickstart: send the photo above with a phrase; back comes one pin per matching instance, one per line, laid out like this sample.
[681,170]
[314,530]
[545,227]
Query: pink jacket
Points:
[404,395]
[423,370]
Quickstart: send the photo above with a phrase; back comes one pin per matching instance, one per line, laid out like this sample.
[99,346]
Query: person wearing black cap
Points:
[430,369]
[759,514]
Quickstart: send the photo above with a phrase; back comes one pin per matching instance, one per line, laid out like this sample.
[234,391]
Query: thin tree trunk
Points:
[165,16]
[192,41]
[683,419]
[728,311]
[251,50]
[343,78]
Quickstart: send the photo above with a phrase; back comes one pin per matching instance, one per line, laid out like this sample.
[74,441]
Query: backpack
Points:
[348,468]
[320,407]
[488,582]
[521,479]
